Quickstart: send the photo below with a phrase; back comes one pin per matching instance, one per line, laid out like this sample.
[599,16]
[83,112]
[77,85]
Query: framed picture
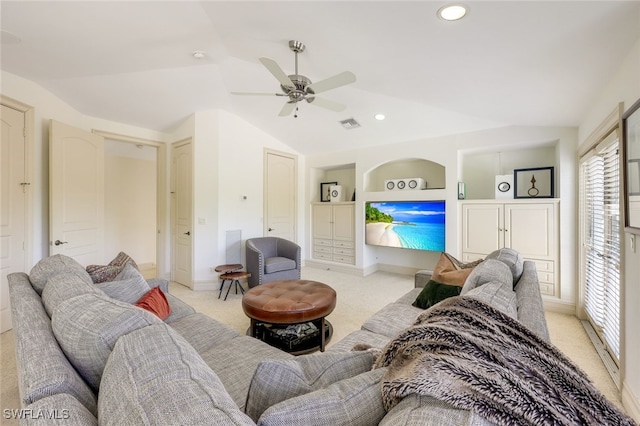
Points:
[325,193]
[533,183]
[631,168]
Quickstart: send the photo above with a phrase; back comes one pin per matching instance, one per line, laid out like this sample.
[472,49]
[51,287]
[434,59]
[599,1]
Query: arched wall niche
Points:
[433,173]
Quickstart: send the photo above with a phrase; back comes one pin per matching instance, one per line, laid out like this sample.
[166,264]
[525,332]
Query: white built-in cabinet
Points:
[529,226]
[334,232]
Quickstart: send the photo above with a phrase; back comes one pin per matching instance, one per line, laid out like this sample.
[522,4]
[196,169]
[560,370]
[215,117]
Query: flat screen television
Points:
[418,225]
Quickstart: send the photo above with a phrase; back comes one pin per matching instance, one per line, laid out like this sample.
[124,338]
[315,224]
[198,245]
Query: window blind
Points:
[600,200]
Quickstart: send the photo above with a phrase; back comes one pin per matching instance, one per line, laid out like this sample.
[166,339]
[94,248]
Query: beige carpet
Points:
[358,298]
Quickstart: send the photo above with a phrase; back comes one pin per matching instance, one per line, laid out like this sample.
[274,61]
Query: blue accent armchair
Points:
[271,259]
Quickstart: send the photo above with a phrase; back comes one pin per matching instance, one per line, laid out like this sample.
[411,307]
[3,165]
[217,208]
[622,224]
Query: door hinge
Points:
[24,186]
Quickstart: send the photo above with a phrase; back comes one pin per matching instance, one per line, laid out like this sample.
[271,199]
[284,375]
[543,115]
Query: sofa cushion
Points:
[356,337]
[64,409]
[155,302]
[44,368]
[154,376]
[52,265]
[451,271]
[277,264]
[434,292]
[426,410]
[103,273]
[236,360]
[488,271]
[129,286]
[202,332]
[392,319]
[88,326]
[61,287]
[356,401]
[499,295]
[512,258]
[276,380]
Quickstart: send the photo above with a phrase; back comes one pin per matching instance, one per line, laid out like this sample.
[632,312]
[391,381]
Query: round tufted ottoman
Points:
[288,303]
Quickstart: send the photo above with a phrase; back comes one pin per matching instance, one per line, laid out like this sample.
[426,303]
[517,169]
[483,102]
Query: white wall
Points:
[130,208]
[624,87]
[46,107]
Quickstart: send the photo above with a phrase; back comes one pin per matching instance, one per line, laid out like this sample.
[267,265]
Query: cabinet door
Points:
[322,218]
[530,229]
[343,218]
[482,228]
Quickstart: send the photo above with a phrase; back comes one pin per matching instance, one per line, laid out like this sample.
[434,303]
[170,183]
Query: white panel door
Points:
[482,228]
[530,229]
[343,226]
[280,196]
[76,194]
[181,209]
[12,204]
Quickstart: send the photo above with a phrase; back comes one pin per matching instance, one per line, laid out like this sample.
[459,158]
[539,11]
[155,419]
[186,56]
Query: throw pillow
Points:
[451,271]
[129,285]
[155,302]
[52,265]
[104,273]
[356,401]
[512,258]
[490,270]
[434,292]
[276,380]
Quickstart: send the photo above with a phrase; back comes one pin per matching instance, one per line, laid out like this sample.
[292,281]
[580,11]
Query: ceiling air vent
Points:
[350,123]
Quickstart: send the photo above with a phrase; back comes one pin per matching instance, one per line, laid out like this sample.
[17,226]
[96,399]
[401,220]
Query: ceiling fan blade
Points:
[337,80]
[287,109]
[277,72]
[325,103]
[257,94]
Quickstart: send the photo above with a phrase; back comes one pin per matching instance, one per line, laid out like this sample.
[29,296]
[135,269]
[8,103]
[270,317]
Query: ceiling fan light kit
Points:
[298,87]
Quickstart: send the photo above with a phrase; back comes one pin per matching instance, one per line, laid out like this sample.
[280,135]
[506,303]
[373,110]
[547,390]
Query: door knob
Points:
[58,242]
[187,233]
[271,229]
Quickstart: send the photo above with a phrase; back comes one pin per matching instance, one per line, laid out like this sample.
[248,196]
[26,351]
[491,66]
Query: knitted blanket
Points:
[474,357]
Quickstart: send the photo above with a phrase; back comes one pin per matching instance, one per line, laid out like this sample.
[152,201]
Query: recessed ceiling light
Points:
[452,12]
[198,54]
[379,117]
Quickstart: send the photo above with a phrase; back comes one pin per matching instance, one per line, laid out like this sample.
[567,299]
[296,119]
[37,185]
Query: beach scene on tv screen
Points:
[418,225]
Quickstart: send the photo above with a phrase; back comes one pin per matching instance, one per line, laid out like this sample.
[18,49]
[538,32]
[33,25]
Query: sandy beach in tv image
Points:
[406,224]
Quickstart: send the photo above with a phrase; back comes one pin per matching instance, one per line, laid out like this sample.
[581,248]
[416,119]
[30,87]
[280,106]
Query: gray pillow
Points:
[154,376]
[52,265]
[512,258]
[128,287]
[499,295]
[488,271]
[64,286]
[356,401]
[276,380]
[88,326]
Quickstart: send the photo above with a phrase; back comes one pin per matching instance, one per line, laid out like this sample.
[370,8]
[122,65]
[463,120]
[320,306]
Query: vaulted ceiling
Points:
[506,63]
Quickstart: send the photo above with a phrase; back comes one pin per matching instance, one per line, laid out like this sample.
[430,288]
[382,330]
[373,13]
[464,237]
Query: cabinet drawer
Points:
[546,277]
[547,289]
[322,242]
[344,251]
[344,259]
[470,257]
[341,243]
[543,265]
[322,255]
[322,249]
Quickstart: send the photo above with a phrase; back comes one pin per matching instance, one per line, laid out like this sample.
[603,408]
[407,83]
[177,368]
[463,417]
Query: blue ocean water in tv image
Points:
[416,225]
[421,236]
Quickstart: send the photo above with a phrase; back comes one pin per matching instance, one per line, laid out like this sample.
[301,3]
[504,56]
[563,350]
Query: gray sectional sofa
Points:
[86,355]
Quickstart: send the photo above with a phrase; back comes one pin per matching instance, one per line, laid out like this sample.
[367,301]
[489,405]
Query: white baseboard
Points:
[630,402]
[395,269]
[205,286]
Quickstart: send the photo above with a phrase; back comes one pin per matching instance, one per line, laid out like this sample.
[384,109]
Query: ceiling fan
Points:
[298,87]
